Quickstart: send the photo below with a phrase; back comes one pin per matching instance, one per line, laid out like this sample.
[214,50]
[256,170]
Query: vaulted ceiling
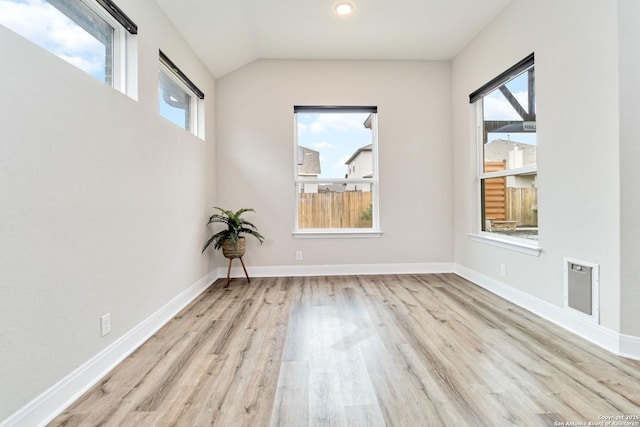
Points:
[227,34]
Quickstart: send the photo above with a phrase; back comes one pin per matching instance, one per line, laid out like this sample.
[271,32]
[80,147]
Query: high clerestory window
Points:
[336,171]
[93,35]
[507,153]
[180,100]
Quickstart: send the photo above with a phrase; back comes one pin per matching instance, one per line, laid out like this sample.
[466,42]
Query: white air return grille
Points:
[581,289]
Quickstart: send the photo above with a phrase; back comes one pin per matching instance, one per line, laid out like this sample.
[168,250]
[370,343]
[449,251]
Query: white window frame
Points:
[196,105]
[522,245]
[374,231]
[123,74]
[119,46]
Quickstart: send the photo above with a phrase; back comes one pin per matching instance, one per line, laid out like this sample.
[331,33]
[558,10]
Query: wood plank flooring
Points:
[396,350]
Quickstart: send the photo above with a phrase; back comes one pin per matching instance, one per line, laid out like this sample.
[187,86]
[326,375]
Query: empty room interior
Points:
[426,254]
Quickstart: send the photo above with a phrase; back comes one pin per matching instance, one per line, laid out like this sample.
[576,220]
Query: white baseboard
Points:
[630,346]
[337,270]
[53,401]
[49,404]
[622,345]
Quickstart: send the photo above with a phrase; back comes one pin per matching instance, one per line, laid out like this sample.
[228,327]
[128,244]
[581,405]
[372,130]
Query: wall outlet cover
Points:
[105,324]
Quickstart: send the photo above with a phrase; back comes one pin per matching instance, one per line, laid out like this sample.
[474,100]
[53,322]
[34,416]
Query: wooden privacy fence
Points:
[495,198]
[522,205]
[504,203]
[509,204]
[348,209]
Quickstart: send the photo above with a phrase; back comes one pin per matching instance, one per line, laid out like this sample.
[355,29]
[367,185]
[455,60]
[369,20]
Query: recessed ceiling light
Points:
[344,8]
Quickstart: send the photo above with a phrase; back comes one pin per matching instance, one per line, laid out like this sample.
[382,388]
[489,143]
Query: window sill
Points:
[505,243]
[336,234]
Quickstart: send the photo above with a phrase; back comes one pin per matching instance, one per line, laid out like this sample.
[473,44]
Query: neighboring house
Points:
[360,165]
[514,155]
[308,167]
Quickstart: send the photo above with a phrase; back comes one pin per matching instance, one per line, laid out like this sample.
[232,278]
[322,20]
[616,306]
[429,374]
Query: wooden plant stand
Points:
[229,271]
[231,251]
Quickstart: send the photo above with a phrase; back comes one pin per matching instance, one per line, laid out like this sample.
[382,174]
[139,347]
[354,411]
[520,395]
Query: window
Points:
[179,99]
[335,170]
[507,151]
[92,35]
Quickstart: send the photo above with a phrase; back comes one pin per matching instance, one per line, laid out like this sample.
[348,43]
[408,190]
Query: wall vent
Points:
[582,289]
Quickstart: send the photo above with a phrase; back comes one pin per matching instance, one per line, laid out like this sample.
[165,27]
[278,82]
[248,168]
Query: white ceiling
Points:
[227,34]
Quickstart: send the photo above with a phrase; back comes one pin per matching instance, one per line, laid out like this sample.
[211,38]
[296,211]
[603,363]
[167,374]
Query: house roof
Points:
[308,161]
[227,35]
[331,188]
[368,147]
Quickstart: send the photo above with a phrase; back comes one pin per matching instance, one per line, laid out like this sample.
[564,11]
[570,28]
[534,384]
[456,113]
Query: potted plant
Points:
[231,239]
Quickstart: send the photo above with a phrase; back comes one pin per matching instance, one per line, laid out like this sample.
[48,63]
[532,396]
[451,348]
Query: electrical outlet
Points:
[298,255]
[105,324]
[503,270]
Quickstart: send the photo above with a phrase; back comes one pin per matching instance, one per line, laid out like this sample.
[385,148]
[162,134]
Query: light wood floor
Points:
[409,350]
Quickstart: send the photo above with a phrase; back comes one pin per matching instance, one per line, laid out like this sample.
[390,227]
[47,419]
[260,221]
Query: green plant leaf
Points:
[236,227]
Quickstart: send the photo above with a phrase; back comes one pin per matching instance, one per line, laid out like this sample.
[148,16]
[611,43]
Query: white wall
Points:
[629,66]
[104,202]
[103,205]
[578,156]
[254,140]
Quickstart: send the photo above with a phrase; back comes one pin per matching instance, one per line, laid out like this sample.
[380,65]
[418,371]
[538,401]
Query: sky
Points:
[173,114]
[44,25]
[496,107]
[336,136]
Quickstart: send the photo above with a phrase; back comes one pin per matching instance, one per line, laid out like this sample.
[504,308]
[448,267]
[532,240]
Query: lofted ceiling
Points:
[227,34]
